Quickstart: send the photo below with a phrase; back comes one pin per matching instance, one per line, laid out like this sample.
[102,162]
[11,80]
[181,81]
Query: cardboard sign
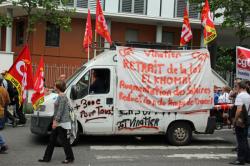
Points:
[243,63]
[164,80]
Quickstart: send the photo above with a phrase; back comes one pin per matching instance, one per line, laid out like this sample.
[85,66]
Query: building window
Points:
[19,33]
[131,35]
[168,38]
[133,6]
[52,35]
[91,4]
[180,6]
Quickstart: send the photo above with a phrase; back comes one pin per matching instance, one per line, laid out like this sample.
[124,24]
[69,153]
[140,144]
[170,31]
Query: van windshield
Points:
[74,75]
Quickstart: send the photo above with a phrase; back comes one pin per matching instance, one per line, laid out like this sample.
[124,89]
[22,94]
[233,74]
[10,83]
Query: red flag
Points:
[88,33]
[38,96]
[186,33]
[20,73]
[100,24]
[209,31]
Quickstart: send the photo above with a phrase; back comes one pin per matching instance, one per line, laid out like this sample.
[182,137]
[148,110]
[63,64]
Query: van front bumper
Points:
[40,125]
[211,125]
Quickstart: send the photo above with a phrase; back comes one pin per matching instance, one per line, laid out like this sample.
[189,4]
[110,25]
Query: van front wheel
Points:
[179,134]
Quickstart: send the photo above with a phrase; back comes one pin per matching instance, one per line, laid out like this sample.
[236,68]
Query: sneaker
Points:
[4,148]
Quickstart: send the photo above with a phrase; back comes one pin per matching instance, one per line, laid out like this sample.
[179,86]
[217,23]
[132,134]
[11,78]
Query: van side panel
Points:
[142,122]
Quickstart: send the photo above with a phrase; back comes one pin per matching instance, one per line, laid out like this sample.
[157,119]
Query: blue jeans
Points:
[2,142]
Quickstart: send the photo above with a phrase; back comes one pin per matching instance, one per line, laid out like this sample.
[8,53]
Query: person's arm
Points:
[238,103]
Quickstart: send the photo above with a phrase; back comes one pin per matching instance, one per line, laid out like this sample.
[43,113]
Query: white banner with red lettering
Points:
[243,63]
[164,80]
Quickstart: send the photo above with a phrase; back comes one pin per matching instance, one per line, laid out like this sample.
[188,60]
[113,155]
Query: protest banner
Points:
[243,63]
[164,80]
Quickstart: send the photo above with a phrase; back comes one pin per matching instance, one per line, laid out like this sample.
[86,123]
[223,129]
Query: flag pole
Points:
[88,49]
[95,44]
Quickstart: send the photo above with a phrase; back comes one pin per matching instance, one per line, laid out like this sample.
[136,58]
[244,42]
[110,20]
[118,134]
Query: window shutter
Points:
[139,6]
[82,3]
[180,7]
[92,4]
[193,13]
[127,6]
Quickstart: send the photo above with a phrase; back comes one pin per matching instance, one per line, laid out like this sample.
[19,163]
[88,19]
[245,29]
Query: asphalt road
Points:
[206,150]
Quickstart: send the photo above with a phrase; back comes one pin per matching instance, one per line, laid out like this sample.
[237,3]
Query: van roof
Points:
[107,57]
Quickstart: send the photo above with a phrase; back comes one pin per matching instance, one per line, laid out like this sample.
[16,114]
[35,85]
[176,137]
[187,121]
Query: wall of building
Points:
[70,50]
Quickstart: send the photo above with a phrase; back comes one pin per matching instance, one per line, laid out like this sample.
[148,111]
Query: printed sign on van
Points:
[164,80]
[243,63]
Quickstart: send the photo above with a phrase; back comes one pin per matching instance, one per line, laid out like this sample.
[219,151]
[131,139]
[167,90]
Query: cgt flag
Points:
[20,74]
[100,25]
[209,31]
[88,33]
[243,63]
[186,33]
[38,95]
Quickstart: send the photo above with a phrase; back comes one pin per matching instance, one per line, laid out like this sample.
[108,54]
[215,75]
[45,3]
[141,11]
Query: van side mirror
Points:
[73,92]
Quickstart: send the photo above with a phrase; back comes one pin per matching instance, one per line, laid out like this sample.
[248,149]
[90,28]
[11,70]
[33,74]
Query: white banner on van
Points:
[164,80]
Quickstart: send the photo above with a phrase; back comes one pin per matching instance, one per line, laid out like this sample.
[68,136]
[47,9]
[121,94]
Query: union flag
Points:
[20,73]
[88,33]
[100,24]
[186,33]
[38,95]
[209,31]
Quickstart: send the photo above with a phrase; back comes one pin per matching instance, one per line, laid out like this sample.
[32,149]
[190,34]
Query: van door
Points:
[95,100]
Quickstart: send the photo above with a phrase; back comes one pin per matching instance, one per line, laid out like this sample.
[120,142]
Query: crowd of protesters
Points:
[9,99]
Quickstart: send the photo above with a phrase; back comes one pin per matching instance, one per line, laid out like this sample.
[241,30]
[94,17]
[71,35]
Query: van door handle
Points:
[109,101]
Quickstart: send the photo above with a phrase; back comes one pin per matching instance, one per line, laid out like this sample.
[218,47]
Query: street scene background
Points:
[216,149]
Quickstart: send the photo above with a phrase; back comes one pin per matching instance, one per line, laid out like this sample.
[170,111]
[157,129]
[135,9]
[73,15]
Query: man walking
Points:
[242,102]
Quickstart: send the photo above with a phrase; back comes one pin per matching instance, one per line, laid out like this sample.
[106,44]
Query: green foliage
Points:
[235,14]
[225,61]
[4,21]
[46,10]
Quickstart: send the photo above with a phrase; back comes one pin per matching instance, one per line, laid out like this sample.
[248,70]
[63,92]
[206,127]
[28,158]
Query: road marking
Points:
[129,158]
[149,147]
[209,138]
[201,156]
[185,156]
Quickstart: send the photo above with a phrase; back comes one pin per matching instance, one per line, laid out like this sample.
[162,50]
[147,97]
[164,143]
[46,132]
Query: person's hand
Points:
[54,124]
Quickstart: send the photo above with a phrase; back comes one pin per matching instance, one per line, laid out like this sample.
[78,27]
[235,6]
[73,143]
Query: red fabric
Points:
[20,73]
[88,33]
[100,25]
[186,33]
[38,96]
[209,31]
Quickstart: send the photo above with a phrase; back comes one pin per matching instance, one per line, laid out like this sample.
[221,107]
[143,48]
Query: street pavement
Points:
[206,150]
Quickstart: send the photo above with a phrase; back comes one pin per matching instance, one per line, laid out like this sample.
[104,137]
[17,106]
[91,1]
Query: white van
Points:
[97,112]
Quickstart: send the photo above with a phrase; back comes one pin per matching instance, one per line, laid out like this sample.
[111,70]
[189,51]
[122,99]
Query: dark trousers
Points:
[243,152]
[62,134]
[20,114]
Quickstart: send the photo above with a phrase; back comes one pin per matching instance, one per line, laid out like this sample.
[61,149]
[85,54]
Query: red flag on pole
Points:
[20,73]
[209,31]
[100,25]
[88,33]
[186,33]
[38,95]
